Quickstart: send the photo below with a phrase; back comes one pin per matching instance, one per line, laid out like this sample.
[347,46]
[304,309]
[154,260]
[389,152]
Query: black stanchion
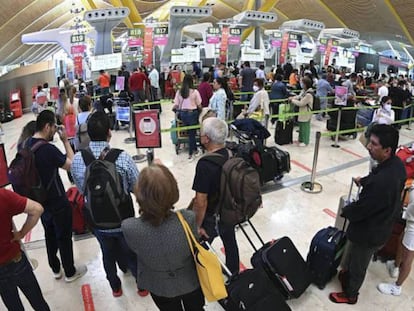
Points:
[150,156]
[338,126]
[312,186]
[410,119]
[130,139]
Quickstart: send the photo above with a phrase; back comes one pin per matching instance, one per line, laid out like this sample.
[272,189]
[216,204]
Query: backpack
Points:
[24,176]
[316,102]
[239,196]
[82,139]
[77,204]
[106,201]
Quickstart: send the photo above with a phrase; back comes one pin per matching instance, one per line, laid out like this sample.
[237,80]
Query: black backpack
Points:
[106,201]
[24,176]
[316,102]
[240,196]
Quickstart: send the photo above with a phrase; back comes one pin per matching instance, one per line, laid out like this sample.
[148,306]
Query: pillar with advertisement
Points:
[77,50]
[224,45]
[284,48]
[148,46]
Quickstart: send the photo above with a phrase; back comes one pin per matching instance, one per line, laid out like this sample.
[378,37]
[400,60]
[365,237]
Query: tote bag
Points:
[207,265]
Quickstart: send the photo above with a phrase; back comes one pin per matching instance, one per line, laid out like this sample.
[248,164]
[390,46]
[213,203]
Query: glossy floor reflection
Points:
[287,211]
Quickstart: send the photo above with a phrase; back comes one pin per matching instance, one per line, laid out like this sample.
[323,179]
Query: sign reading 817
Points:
[161,30]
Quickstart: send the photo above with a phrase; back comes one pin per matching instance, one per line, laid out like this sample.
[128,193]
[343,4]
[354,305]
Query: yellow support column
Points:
[134,15]
[89,5]
[118,4]
[266,7]
[400,21]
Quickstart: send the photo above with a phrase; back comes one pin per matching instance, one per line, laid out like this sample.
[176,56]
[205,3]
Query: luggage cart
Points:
[180,137]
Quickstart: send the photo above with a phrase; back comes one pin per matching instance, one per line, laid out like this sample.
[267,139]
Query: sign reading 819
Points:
[77,38]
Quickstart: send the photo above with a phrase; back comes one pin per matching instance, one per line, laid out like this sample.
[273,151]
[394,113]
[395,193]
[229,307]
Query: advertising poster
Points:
[77,64]
[147,129]
[341,95]
[148,46]
[284,48]
[224,45]
[4,181]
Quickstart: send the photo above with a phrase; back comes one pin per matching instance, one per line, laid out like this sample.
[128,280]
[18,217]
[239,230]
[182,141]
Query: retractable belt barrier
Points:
[288,115]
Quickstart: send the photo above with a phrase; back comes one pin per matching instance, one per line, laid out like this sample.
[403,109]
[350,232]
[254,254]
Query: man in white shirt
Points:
[382,90]
[154,80]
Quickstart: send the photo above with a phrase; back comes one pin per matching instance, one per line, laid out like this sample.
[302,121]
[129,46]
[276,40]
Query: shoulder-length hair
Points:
[156,193]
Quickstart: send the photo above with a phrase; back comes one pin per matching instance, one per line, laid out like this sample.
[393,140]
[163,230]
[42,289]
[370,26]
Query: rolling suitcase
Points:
[325,254]
[275,163]
[340,221]
[284,132]
[282,263]
[252,290]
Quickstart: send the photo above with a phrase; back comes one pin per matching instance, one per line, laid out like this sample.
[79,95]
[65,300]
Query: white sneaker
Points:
[389,289]
[302,145]
[58,275]
[80,272]
[392,269]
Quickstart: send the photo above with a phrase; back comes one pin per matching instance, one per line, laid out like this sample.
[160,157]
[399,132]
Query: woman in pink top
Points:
[188,101]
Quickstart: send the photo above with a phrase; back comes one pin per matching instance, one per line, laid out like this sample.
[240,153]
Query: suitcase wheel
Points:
[278,178]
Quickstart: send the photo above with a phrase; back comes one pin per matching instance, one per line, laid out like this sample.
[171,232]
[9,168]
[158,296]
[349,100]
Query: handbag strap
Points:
[189,234]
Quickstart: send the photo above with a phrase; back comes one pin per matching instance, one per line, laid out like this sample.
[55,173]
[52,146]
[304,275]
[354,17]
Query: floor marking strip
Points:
[353,153]
[87,298]
[302,166]
[329,212]
[242,267]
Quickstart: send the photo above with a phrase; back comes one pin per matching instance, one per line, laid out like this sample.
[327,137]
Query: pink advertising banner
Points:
[234,40]
[213,40]
[160,40]
[135,42]
[276,43]
[291,44]
[77,49]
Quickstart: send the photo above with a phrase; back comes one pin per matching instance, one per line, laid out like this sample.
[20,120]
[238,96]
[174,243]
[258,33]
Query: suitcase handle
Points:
[247,236]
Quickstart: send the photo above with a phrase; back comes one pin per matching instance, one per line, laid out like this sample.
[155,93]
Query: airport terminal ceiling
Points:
[374,19]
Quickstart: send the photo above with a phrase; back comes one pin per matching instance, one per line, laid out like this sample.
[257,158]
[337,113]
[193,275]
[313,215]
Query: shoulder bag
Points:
[207,265]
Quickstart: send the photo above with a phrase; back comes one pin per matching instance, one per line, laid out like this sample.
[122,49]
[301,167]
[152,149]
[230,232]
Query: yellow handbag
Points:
[207,265]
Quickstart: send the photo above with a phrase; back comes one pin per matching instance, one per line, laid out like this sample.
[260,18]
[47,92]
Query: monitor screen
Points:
[15,96]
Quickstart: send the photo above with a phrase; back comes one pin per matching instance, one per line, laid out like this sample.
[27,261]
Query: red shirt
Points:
[104,80]
[136,81]
[13,204]
[206,91]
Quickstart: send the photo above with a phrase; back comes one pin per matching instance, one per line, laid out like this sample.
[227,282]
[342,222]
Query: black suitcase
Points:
[284,265]
[252,290]
[325,254]
[274,164]
[282,262]
[284,132]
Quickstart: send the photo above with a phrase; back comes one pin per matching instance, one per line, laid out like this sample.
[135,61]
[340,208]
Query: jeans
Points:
[246,97]
[193,301]
[139,96]
[355,263]
[228,236]
[20,275]
[190,118]
[58,236]
[115,250]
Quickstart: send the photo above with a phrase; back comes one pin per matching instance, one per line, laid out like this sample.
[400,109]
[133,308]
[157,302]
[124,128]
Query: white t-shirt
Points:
[382,91]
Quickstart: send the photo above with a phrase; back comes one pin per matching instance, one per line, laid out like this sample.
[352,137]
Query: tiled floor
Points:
[287,211]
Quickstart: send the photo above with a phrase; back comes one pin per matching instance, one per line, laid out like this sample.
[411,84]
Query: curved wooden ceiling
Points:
[375,19]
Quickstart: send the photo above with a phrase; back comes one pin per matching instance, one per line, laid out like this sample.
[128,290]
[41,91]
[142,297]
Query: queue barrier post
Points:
[130,139]
[411,116]
[312,186]
[338,125]
[150,156]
